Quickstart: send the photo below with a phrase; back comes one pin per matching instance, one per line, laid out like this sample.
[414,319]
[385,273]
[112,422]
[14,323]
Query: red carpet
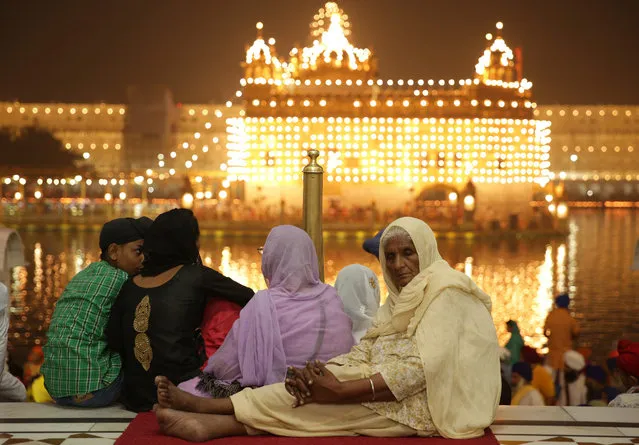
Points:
[144,430]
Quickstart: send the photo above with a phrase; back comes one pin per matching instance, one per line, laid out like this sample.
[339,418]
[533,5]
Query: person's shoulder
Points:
[625,401]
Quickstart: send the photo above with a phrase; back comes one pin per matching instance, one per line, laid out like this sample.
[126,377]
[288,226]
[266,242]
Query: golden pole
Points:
[313,177]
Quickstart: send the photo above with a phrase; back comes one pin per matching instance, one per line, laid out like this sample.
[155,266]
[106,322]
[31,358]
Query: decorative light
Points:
[108,197]
[187,200]
[17,196]
[37,194]
[469,203]
[122,196]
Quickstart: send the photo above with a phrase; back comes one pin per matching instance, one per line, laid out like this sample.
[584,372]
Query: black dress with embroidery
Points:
[156,330]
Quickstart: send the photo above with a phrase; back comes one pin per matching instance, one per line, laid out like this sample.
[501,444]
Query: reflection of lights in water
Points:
[37,270]
[561,267]
[468,266]
[572,257]
[520,280]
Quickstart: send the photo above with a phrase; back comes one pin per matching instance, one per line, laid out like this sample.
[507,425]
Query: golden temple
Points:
[398,136]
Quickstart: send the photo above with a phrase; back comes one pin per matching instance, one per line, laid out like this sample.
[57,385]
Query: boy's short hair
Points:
[122,231]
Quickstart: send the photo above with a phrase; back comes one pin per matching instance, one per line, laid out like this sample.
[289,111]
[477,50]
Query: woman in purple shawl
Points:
[298,319]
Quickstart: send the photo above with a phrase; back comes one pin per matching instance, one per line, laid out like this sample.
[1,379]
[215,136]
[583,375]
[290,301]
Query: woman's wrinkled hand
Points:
[298,385]
[324,387]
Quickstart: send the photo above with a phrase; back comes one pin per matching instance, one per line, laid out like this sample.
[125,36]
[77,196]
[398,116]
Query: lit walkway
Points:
[48,424]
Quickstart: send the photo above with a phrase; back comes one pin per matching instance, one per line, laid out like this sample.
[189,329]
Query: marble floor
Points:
[27,423]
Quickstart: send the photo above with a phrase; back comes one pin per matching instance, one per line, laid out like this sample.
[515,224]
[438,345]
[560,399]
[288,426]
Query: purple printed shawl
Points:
[296,320]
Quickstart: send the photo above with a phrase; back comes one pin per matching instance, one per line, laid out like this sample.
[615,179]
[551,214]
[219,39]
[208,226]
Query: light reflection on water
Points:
[592,263]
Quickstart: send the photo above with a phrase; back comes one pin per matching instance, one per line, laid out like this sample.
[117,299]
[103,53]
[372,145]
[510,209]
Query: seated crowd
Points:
[151,327]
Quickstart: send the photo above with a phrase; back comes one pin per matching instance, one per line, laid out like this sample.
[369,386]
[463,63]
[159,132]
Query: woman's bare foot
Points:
[170,396]
[187,426]
[196,427]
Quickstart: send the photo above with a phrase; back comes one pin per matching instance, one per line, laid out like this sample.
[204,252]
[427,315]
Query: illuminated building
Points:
[399,137]
[396,136]
[594,151]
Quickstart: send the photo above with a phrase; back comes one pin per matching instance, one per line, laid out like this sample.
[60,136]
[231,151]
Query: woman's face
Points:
[402,261]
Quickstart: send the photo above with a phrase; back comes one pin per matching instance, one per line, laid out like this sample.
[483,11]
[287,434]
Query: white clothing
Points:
[456,338]
[11,389]
[358,287]
[628,400]
[533,398]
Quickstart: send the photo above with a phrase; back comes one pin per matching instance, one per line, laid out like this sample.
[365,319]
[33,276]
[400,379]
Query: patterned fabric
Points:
[397,359]
[76,357]
[627,400]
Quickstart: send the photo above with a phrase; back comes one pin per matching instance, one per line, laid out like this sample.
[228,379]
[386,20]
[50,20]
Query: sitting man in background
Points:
[79,369]
[525,393]
[11,389]
[628,363]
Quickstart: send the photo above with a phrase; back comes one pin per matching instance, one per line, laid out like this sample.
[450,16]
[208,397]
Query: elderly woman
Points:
[434,332]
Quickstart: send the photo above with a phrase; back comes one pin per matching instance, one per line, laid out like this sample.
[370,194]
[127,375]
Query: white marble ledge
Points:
[512,414]
[71,427]
[610,415]
[556,431]
[50,411]
[568,414]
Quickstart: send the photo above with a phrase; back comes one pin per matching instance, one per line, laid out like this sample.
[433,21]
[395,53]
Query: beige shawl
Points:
[450,319]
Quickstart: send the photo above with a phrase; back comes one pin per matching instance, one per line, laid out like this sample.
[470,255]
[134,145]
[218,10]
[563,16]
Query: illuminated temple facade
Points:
[387,141]
[397,138]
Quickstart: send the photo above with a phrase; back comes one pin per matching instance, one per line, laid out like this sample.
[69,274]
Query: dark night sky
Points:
[575,51]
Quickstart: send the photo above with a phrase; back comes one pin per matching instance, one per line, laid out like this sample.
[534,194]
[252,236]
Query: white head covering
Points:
[358,288]
[449,317]
[574,360]
[4,297]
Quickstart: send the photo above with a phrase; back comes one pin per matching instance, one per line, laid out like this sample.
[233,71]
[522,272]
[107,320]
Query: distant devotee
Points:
[525,394]
[296,320]
[542,376]
[515,342]
[572,381]
[561,329]
[628,363]
[11,388]
[79,369]
[396,382]
[358,287]
[371,245]
[156,318]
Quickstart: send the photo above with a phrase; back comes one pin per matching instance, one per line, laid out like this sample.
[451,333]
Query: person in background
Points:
[596,385]
[11,388]
[371,245]
[33,365]
[358,287]
[614,375]
[561,329]
[79,369]
[525,393]
[542,378]
[156,319]
[515,343]
[297,319]
[628,363]
[506,374]
[572,381]
[218,319]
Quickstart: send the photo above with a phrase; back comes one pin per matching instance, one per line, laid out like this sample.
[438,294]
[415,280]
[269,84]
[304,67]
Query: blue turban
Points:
[523,369]
[371,245]
[596,373]
[611,393]
[562,301]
